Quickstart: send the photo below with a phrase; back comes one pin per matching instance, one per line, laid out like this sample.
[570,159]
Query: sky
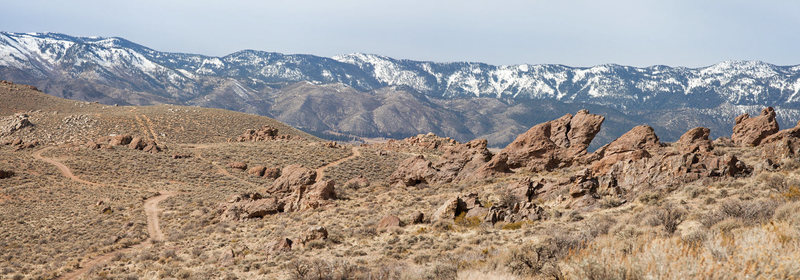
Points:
[570,32]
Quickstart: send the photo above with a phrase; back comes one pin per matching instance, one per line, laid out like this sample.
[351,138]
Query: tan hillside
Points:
[89,191]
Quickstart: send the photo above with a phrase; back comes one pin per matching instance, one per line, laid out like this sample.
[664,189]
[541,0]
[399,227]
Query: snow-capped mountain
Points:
[114,70]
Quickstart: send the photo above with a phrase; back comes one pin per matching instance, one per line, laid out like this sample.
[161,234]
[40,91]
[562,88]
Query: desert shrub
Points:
[669,216]
[467,222]
[789,212]
[610,202]
[513,226]
[747,211]
[532,259]
[595,270]
[650,198]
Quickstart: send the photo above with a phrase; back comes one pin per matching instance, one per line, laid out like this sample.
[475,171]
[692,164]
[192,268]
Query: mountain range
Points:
[365,95]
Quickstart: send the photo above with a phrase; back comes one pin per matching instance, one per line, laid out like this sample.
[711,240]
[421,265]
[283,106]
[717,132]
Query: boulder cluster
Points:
[265,133]
[19,145]
[457,162]
[135,143]
[11,124]
[633,163]
[295,190]
[429,143]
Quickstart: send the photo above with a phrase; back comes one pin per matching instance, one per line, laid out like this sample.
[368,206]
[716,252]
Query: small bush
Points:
[463,221]
[513,226]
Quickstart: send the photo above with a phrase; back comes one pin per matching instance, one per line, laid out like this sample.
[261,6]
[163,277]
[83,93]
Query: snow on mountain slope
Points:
[180,76]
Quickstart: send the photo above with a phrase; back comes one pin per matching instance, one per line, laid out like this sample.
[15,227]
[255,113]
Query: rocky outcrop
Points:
[265,133]
[784,144]
[314,233]
[11,124]
[458,162]
[281,245]
[749,131]
[422,143]
[470,207]
[295,190]
[640,142]
[257,170]
[249,205]
[238,165]
[20,145]
[550,145]
[694,140]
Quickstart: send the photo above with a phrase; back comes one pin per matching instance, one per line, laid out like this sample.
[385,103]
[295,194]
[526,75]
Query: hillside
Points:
[92,191]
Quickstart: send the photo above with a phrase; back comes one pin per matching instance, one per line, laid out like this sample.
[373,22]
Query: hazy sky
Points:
[576,33]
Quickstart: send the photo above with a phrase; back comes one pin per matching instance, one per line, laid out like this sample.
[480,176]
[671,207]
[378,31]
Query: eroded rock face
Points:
[295,190]
[11,124]
[257,170]
[414,171]
[749,131]
[265,133]
[550,145]
[238,165]
[640,142]
[695,140]
[784,144]
[458,162]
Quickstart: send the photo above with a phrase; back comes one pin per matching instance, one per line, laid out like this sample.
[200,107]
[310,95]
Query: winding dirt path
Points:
[321,170]
[150,209]
[61,167]
[150,126]
[153,229]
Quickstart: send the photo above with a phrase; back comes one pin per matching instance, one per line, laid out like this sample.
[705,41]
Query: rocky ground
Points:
[89,191]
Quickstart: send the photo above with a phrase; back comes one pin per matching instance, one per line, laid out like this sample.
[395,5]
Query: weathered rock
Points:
[293,175]
[414,171]
[249,205]
[450,210]
[640,142]
[137,143]
[546,146]
[388,222]
[458,162]
[265,133]
[318,193]
[749,131]
[120,140]
[330,144]
[11,124]
[257,170]
[417,218]
[694,140]
[238,165]
[272,172]
[6,174]
[357,183]
[151,147]
[180,156]
[784,144]
[314,233]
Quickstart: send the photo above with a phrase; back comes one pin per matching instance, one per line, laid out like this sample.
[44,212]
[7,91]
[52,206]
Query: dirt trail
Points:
[321,170]
[61,167]
[150,126]
[153,229]
[142,126]
[150,209]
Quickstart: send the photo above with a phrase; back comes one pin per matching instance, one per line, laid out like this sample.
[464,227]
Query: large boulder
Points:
[120,140]
[11,124]
[694,140]
[238,165]
[414,171]
[749,131]
[782,145]
[640,142]
[248,206]
[257,170]
[388,221]
[550,145]
[265,133]
[293,175]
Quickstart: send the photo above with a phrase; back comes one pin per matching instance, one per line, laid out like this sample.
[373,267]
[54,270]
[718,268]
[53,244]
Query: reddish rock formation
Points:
[120,140]
[249,205]
[546,146]
[257,170]
[265,133]
[695,140]
[272,172]
[640,142]
[458,162]
[750,131]
[238,165]
[781,145]
[281,245]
